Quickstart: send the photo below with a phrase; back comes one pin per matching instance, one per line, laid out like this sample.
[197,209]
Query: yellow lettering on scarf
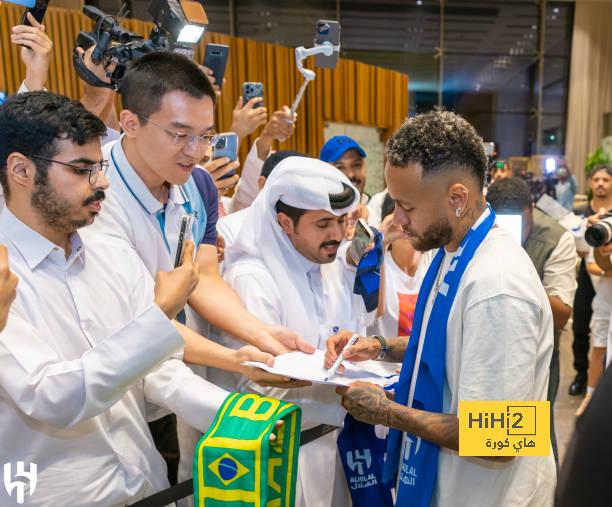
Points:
[251,412]
[272,464]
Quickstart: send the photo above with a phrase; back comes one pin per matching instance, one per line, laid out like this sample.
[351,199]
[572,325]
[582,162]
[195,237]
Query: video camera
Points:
[178,26]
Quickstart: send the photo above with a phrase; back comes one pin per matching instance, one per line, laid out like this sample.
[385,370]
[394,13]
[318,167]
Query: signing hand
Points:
[8,284]
[366,402]
[262,377]
[36,52]
[173,288]
[364,348]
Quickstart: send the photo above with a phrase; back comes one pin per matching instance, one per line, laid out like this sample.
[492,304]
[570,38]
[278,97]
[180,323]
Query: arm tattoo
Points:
[396,347]
[441,429]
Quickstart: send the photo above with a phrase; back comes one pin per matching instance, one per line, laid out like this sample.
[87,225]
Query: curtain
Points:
[590,89]
[352,93]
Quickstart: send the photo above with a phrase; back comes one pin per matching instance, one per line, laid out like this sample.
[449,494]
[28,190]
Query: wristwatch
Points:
[383,347]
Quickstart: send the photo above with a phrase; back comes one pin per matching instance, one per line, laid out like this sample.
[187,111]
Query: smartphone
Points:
[327,31]
[186,223]
[38,11]
[512,223]
[362,240]
[227,146]
[250,90]
[215,58]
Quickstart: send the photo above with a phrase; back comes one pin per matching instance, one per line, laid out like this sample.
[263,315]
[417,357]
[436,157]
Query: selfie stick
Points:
[301,54]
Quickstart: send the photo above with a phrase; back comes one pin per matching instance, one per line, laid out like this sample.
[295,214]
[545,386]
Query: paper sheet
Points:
[310,367]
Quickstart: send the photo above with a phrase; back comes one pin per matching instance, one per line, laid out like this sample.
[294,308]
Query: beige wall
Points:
[590,90]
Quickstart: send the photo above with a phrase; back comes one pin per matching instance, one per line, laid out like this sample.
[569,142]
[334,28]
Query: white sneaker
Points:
[583,405]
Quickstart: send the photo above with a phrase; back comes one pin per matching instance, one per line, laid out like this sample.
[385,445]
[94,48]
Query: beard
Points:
[437,235]
[56,211]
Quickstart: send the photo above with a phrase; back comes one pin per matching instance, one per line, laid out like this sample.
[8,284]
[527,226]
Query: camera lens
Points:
[600,233]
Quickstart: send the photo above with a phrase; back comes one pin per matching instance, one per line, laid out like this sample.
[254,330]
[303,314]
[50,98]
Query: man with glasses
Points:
[168,123]
[89,337]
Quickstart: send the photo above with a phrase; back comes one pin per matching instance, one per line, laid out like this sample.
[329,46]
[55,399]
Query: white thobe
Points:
[83,349]
[321,480]
[498,347]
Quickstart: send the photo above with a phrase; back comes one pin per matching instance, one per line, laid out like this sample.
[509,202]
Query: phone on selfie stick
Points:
[227,146]
[250,90]
[185,226]
[215,58]
[361,241]
[38,11]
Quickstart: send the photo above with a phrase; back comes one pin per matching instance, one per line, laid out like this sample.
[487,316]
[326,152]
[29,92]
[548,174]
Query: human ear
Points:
[286,223]
[130,123]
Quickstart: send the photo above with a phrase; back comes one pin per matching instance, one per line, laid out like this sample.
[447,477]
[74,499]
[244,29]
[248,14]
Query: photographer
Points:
[600,183]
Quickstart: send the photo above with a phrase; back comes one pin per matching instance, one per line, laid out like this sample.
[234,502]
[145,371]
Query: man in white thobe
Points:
[288,268]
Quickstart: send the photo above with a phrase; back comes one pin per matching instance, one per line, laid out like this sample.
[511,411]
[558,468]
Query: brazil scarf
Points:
[235,464]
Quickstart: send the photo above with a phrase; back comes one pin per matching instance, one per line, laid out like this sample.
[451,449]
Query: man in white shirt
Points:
[8,283]
[168,123]
[73,393]
[497,329]
[552,250]
[288,268]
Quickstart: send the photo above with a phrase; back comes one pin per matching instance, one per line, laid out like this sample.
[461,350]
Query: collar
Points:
[136,186]
[33,246]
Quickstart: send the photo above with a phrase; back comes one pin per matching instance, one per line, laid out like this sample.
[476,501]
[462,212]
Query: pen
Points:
[340,358]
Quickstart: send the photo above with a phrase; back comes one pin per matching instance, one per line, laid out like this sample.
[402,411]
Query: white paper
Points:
[310,367]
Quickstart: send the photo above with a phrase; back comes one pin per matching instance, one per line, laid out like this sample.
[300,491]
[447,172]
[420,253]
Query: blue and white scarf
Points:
[419,464]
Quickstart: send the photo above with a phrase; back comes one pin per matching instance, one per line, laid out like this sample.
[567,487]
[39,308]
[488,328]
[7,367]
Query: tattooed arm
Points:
[368,402]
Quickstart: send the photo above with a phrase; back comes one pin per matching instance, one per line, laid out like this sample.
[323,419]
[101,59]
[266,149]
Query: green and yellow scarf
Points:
[235,464]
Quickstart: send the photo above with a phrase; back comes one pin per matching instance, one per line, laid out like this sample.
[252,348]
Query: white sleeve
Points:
[560,270]
[64,392]
[258,297]
[247,188]
[499,352]
[23,88]
[175,386]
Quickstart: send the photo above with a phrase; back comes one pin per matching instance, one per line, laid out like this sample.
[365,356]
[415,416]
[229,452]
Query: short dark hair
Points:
[275,158]
[32,122]
[148,79]
[600,167]
[293,213]
[387,208]
[438,141]
[509,195]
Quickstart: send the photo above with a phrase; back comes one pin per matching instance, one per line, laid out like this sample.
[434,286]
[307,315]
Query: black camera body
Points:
[600,234]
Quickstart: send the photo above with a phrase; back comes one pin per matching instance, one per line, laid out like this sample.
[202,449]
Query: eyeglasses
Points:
[93,169]
[184,139]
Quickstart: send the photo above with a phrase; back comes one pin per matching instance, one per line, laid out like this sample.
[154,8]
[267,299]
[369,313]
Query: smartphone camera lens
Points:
[220,143]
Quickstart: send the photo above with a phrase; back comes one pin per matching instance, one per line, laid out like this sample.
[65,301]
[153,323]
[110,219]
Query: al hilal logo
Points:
[29,478]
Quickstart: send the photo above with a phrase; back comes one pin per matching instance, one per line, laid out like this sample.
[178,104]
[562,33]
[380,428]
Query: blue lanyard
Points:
[160,214]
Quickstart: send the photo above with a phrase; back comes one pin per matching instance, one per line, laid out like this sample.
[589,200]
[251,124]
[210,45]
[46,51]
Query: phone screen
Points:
[361,241]
[512,223]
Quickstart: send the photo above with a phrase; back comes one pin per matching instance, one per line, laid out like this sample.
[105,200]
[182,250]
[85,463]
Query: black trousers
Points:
[582,319]
[165,437]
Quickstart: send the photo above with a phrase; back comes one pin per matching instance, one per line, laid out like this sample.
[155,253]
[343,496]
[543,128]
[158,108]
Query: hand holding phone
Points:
[362,241]
[36,50]
[250,90]
[215,58]
[227,146]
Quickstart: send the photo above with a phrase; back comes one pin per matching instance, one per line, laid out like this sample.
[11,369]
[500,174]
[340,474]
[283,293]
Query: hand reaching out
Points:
[35,53]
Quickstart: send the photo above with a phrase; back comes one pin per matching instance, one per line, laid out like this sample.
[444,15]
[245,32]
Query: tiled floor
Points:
[565,405]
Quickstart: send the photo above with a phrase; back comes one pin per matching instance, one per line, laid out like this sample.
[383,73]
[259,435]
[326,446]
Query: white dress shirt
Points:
[83,349]
[559,277]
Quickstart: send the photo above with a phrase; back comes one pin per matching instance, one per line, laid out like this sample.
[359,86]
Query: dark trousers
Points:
[166,441]
[553,387]
[582,319]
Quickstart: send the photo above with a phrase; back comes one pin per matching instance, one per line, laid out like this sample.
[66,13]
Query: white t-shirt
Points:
[603,286]
[499,345]
[401,292]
